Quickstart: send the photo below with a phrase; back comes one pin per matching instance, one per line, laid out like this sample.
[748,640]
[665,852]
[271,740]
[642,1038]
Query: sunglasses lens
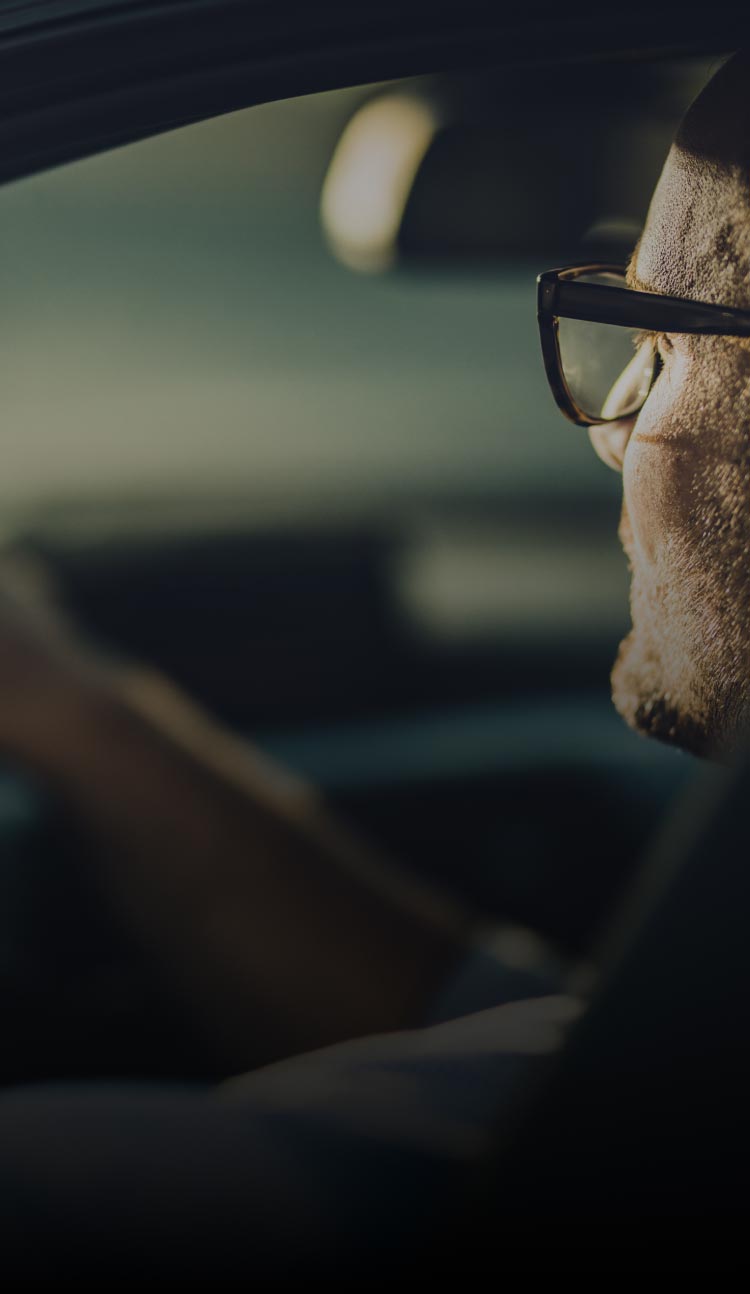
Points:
[608,370]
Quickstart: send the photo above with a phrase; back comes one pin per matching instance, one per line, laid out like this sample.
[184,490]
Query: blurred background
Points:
[274,412]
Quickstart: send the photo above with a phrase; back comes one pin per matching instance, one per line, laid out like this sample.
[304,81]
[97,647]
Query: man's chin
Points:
[643,702]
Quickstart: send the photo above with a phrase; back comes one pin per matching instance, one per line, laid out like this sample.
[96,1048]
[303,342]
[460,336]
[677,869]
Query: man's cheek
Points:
[656,484]
[661,472]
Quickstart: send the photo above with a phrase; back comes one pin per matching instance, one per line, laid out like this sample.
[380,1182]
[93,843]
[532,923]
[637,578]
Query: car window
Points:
[177,333]
[394,563]
[174,321]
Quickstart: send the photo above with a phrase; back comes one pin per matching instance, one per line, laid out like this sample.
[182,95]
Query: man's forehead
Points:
[665,257]
[696,241]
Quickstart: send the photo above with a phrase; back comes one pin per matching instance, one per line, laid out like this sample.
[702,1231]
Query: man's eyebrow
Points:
[638,285]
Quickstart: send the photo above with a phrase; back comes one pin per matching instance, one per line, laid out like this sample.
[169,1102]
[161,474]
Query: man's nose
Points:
[610,440]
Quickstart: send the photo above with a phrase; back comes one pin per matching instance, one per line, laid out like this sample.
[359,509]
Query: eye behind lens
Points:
[608,370]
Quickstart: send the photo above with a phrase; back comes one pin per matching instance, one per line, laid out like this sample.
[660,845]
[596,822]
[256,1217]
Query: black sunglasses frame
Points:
[561,296]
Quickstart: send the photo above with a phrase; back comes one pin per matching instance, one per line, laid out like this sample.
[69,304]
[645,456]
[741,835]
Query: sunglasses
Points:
[598,338]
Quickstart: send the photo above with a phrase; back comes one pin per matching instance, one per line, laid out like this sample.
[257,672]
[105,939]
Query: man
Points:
[268,921]
[682,673]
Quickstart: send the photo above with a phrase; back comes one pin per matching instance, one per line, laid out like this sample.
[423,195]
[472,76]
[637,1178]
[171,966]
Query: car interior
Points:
[275,420]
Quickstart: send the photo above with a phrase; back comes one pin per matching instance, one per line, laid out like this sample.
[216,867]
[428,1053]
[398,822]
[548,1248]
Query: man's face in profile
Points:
[683,672]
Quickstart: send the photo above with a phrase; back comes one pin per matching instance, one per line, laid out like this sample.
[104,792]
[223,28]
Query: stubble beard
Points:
[673,682]
[647,706]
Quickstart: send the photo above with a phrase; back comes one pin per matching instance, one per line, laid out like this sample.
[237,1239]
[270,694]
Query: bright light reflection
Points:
[370,178]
